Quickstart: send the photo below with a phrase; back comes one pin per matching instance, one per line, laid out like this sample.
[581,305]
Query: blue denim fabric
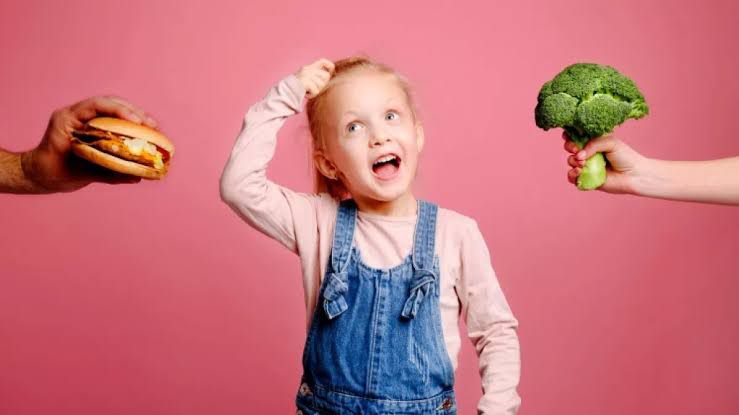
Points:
[375,345]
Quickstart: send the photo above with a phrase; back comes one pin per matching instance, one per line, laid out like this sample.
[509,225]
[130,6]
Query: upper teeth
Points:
[384,159]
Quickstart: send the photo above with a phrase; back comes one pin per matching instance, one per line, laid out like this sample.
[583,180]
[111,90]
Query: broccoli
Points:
[588,100]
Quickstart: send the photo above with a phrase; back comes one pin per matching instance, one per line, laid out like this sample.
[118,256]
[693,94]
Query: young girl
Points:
[386,276]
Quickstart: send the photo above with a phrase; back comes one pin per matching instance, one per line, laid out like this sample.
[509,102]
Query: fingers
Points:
[96,106]
[311,92]
[323,76]
[316,76]
[573,161]
[311,88]
[573,174]
[320,79]
[148,120]
[321,66]
[569,145]
[325,64]
[604,144]
[113,106]
[317,79]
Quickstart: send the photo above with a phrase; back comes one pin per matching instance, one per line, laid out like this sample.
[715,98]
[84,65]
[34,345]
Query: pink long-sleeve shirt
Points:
[304,224]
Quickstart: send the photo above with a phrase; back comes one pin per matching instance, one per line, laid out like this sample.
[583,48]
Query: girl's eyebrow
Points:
[397,104]
[395,100]
[348,115]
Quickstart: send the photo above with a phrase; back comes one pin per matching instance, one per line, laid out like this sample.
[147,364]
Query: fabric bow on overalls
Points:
[333,295]
[423,286]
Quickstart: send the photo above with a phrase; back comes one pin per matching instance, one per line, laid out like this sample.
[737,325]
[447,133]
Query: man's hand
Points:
[52,167]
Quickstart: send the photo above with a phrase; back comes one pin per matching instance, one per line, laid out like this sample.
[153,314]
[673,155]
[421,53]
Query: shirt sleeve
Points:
[491,326]
[282,214]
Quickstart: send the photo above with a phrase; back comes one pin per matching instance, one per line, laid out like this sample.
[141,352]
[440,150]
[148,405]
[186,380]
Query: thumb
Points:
[603,144]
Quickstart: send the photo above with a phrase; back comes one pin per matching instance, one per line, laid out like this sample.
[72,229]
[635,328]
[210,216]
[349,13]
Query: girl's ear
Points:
[324,165]
[420,138]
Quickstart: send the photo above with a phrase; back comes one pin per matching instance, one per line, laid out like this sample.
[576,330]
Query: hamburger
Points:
[124,146]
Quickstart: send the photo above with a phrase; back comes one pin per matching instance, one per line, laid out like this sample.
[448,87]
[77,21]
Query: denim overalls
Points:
[375,345]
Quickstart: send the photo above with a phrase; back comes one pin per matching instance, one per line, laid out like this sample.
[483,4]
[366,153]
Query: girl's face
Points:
[372,137]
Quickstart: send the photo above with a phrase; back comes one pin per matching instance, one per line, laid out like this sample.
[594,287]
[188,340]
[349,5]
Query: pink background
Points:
[156,299]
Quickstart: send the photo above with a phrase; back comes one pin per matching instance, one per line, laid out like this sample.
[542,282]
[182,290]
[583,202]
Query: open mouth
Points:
[387,166]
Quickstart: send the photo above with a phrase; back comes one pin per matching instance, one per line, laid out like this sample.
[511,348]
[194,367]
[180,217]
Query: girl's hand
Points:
[315,76]
[625,165]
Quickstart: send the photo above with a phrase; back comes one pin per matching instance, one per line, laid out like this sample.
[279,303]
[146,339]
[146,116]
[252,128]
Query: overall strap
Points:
[425,237]
[337,277]
[424,277]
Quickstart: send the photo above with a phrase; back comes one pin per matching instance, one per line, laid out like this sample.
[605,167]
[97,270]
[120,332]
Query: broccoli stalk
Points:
[588,100]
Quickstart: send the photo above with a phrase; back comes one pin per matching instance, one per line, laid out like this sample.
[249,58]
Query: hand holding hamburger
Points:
[53,166]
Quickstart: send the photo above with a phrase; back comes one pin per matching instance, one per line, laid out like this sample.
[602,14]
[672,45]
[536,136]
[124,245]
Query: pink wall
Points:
[156,299]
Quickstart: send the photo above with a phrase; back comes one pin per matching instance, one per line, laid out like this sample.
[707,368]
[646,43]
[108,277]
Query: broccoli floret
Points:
[588,100]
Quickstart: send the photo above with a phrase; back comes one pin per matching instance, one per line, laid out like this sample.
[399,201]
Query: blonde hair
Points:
[315,110]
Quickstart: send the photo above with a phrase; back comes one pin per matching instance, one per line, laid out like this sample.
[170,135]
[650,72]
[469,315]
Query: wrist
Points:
[29,165]
[296,85]
[299,78]
[648,179]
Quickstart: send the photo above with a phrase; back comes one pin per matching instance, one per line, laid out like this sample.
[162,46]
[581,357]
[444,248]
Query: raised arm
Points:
[272,209]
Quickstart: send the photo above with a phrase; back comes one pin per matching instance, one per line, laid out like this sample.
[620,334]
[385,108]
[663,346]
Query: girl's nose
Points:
[379,139]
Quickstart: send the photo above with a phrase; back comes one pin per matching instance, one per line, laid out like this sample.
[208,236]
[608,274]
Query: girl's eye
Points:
[391,116]
[353,127]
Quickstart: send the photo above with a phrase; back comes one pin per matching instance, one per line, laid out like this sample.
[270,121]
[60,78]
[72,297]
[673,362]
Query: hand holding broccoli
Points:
[588,101]
[705,181]
[625,165]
